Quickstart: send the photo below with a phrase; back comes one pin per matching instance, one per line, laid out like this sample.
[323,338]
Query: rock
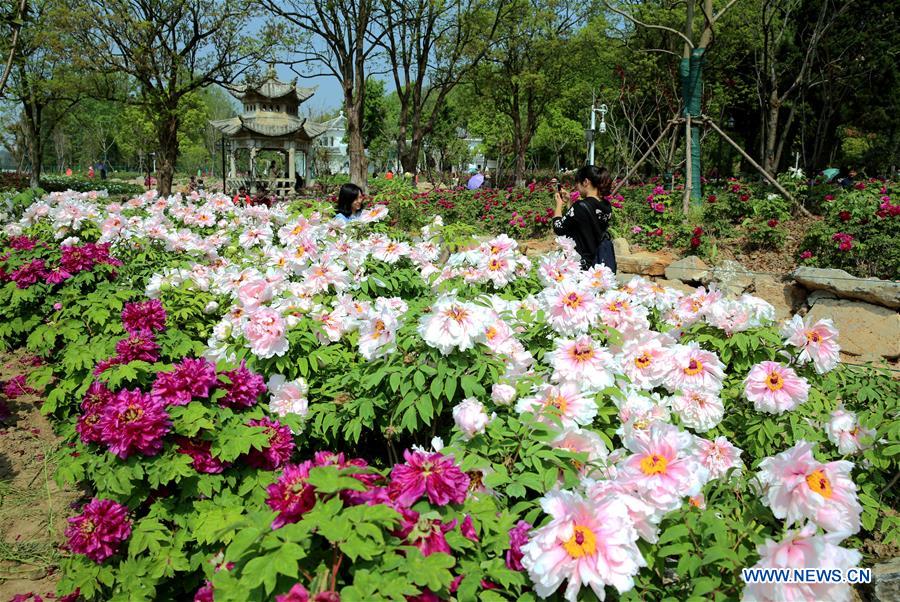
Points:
[846,286]
[886,580]
[866,330]
[817,295]
[644,263]
[732,277]
[621,247]
[688,269]
[678,285]
[785,297]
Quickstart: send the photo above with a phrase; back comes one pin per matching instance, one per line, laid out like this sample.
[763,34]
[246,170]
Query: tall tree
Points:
[170,48]
[337,36]
[42,80]
[431,45]
[526,68]
[12,19]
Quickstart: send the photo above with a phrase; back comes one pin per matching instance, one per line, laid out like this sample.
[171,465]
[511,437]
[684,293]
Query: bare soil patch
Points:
[33,509]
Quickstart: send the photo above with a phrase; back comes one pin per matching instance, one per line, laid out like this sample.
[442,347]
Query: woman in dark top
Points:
[587,219]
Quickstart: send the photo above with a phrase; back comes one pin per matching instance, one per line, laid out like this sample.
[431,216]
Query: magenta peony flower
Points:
[99,529]
[433,474]
[16,387]
[190,379]
[55,277]
[281,445]
[297,593]
[88,427]
[137,348]
[468,529]
[199,451]
[291,496]
[145,317]
[134,422]
[97,396]
[425,533]
[28,275]
[76,259]
[518,537]
[21,243]
[244,389]
[205,593]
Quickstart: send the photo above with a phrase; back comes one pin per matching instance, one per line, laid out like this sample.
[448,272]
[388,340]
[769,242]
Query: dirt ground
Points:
[33,509]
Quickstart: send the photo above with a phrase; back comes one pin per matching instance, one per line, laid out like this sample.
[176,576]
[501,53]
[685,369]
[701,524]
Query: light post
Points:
[602,109]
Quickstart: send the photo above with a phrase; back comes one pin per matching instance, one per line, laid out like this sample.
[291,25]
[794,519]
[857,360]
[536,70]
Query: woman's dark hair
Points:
[348,194]
[598,176]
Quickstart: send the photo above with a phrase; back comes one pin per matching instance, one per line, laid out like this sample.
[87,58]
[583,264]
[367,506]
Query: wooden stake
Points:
[688,178]
[758,167]
[646,154]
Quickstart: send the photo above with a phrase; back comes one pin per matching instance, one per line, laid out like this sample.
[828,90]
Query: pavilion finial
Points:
[270,73]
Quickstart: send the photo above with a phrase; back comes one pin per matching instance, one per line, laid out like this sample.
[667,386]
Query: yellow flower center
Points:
[694,367]
[812,336]
[617,306]
[494,265]
[582,543]
[132,413]
[298,229]
[819,483]
[87,527]
[572,300]
[582,353]
[774,382]
[379,327]
[654,464]
[559,402]
[643,361]
[490,333]
[458,314]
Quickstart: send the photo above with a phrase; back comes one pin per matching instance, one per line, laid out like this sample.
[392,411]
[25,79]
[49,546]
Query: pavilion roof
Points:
[273,88]
[275,125]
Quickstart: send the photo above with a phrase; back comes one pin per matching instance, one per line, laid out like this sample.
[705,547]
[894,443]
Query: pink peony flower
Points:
[253,293]
[774,388]
[265,330]
[281,445]
[503,394]
[571,309]
[244,388]
[698,410]
[846,433]
[695,368]
[144,318]
[470,417]
[297,593]
[592,544]
[518,537]
[190,379]
[817,342]
[201,456]
[584,442]
[562,404]
[584,361]
[718,456]
[797,487]
[803,549]
[434,475]
[291,496]
[453,325]
[663,467]
[99,530]
[646,361]
[134,422]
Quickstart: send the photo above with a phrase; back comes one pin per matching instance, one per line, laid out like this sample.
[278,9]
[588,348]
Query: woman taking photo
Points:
[349,205]
[587,219]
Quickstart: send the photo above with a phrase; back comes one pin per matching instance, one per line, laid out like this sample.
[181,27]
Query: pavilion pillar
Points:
[292,163]
[253,152]
[232,164]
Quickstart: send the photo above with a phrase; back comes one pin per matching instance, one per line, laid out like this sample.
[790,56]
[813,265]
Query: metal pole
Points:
[593,128]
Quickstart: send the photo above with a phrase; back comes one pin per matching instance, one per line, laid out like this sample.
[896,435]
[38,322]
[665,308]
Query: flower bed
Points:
[262,403]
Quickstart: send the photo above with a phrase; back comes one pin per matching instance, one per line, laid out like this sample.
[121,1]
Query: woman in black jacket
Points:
[587,219]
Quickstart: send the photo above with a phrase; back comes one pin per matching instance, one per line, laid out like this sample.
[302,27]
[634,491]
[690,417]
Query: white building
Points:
[333,141]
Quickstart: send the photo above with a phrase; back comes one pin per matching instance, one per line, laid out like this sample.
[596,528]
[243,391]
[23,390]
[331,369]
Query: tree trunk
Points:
[690,73]
[771,138]
[168,152]
[358,165]
[33,123]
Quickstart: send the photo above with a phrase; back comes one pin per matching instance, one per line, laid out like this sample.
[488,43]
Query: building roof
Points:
[271,87]
[273,125]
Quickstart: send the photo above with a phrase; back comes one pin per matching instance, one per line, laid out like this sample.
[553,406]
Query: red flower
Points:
[845,216]
[773,222]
